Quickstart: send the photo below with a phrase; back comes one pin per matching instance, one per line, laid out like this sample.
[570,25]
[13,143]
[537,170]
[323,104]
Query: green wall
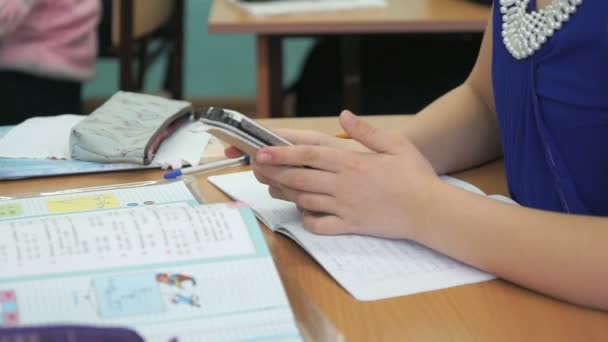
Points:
[220,65]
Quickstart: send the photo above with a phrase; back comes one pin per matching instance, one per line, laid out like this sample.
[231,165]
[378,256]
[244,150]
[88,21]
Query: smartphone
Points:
[240,131]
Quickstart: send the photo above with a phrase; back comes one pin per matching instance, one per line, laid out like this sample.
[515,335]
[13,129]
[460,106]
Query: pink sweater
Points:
[53,38]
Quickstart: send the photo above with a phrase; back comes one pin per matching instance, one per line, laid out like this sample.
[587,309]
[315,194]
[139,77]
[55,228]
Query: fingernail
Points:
[263,157]
[349,120]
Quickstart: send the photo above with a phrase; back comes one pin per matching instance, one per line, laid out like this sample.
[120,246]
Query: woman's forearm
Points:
[456,132]
[558,254]
[459,130]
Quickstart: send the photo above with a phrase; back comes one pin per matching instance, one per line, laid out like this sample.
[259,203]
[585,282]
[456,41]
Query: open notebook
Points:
[150,258]
[369,268]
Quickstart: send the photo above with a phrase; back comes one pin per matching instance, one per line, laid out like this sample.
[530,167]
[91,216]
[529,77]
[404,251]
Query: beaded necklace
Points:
[523,33]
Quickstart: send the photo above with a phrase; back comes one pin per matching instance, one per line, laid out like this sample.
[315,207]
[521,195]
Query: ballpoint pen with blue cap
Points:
[208,167]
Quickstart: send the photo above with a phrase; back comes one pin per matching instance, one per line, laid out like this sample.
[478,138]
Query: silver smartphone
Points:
[238,130]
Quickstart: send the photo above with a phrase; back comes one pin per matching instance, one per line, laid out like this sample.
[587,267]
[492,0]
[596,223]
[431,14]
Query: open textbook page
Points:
[115,196]
[171,270]
[369,268]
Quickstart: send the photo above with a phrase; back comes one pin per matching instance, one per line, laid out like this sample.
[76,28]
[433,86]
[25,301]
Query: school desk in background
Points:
[397,17]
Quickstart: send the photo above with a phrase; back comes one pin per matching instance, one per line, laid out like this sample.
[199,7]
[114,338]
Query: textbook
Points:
[370,268]
[149,258]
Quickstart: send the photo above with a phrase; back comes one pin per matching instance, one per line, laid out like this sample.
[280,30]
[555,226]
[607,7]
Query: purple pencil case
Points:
[68,333]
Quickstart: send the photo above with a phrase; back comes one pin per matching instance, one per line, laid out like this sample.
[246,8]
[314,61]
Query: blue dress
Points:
[553,114]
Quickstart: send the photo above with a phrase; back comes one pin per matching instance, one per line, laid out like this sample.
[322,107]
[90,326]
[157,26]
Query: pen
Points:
[342,135]
[208,167]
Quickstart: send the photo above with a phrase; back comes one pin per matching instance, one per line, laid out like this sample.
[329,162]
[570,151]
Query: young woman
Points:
[47,49]
[538,95]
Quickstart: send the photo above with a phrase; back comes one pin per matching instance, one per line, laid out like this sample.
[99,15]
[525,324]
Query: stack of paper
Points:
[25,141]
[41,147]
[276,7]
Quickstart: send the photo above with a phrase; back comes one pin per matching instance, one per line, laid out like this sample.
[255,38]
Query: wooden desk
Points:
[489,311]
[400,16]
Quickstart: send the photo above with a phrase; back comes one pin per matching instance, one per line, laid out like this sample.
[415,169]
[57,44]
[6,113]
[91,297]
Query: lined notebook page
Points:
[369,268]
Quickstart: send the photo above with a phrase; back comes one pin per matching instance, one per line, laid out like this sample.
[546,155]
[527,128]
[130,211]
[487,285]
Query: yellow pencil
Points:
[342,135]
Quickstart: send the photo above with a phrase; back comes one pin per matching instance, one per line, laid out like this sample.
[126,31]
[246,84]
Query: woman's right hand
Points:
[308,137]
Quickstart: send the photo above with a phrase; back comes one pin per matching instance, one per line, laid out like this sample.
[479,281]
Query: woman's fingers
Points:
[302,137]
[325,224]
[318,157]
[378,140]
[276,193]
[264,180]
[309,201]
[232,152]
[298,178]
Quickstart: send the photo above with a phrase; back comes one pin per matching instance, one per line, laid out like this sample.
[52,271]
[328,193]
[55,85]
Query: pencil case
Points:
[68,333]
[128,128]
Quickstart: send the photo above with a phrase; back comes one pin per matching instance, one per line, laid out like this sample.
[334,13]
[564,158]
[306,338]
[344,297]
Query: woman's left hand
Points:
[383,193]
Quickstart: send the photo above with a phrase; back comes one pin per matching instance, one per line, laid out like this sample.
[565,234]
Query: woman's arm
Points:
[394,193]
[459,130]
[562,255]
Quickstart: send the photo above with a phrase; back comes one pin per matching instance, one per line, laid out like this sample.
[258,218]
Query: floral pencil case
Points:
[128,128]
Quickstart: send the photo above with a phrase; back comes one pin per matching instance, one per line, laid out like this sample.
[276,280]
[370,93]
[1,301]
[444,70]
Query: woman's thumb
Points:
[375,139]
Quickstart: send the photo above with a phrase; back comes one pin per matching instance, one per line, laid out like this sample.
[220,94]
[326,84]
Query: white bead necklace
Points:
[523,33]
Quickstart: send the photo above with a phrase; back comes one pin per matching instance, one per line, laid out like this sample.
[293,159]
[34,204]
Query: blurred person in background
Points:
[47,50]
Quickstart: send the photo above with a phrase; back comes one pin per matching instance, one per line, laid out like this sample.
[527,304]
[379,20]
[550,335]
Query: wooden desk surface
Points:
[397,16]
[489,311]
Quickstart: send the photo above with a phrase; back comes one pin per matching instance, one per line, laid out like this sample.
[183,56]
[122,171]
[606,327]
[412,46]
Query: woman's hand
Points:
[306,137]
[384,192]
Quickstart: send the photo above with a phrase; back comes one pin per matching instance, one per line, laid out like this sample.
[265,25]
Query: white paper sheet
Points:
[503,199]
[185,147]
[40,138]
[49,138]
[369,268]
[277,7]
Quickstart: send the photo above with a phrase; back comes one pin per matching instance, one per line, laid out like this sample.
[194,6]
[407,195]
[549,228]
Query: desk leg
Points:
[351,69]
[270,76]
